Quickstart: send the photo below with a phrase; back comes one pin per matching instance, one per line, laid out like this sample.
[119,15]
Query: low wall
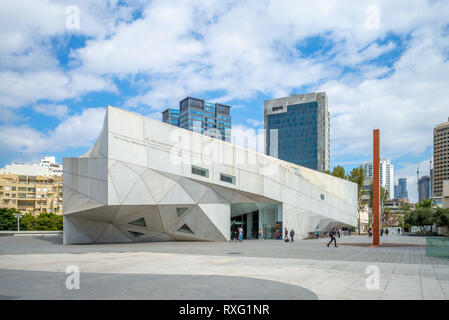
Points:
[28,233]
[437,247]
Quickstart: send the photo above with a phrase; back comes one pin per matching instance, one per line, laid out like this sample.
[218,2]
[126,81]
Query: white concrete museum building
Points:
[145,180]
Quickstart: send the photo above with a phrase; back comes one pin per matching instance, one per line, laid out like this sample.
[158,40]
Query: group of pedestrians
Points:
[382,231]
[292,235]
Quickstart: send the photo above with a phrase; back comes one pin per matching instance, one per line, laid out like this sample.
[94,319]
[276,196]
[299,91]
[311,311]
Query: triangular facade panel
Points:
[123,179]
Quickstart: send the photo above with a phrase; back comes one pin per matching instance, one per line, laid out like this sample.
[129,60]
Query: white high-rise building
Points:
[386,174]
[52,165]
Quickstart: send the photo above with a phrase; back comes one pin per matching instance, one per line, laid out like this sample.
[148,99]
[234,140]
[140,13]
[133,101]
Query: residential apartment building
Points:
[297,130]
[440,157]
[30,189]
[198,115]
[445,201]
[386,174]
[50,163]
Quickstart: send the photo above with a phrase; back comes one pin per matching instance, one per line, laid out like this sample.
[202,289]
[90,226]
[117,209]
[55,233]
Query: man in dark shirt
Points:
[333,235]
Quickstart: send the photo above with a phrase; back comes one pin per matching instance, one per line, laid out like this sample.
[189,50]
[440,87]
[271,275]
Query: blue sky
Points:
[382,66]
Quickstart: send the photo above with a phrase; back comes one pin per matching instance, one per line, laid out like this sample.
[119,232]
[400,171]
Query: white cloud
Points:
[29,68]
[255,123]
[54,110]
[404,106]
[22,143]
[239,49]
[19,89]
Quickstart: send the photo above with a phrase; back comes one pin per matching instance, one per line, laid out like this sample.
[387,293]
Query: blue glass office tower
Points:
[303,132]
[400,190]
[211,119]
[171,116]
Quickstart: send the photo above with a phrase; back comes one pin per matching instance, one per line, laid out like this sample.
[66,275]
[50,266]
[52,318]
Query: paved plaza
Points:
[33,267]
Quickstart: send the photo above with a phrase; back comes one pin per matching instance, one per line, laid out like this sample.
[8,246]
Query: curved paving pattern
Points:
[51,285]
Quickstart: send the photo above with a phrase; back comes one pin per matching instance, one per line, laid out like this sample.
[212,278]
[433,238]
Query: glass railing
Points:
[437,247]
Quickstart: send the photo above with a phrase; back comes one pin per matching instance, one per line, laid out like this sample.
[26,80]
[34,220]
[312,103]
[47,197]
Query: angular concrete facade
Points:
[145,180]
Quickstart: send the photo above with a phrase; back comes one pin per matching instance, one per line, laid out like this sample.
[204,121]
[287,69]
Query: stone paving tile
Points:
[331,273]
[432,289]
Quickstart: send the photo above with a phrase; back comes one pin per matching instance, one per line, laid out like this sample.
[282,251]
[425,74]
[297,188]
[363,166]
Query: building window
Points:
[200,171]
[139,222]
[180,211]
[185,229]
[136,234]
[277,108]
[227,178]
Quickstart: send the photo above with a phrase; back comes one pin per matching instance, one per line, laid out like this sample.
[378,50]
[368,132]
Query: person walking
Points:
[240,235]
[286,233]
[333,235]
[292,235]
[370,233]
[260,234]
[338,232]
[386,231]
[349,232]
[399,230]
[317,233]
[382,231]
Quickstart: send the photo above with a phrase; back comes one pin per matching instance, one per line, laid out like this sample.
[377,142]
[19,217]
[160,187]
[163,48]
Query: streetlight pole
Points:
[18,216]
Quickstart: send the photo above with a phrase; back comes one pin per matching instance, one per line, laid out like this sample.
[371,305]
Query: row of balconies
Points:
[36,189]
[26,196]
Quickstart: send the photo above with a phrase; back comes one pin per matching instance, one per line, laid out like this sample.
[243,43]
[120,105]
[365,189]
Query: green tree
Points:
[424,204]
[48,222]
[441,217]
[404,209]
[28,222]
[339,172]
[383,197]
[420,217]
[357,175]
[8,222]
[43,222]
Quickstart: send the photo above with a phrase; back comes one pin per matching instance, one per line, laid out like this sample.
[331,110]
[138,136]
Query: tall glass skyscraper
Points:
[198,115]
[171,116]
[297,130]
[423,188]
[400,190]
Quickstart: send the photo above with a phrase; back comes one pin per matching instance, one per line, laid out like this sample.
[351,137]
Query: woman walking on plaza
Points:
[240,235]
